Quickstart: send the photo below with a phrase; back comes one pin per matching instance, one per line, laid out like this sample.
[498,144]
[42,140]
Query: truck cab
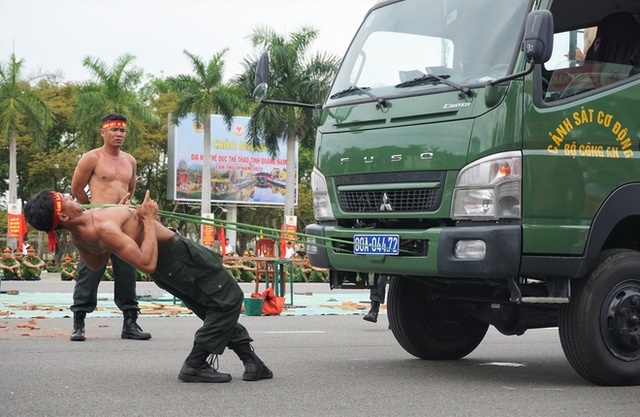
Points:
[483,154]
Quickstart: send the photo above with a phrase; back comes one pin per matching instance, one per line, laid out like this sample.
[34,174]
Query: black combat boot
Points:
[130,328]
[254,368]
[78,326]
[196,368]
[372,315]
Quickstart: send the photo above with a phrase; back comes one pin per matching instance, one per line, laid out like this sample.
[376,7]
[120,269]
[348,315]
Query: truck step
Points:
[545,300]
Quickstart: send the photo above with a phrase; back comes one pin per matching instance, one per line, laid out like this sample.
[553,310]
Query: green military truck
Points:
[484,155]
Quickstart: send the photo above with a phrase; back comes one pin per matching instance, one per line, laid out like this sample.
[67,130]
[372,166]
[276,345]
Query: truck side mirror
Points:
[261,79]
[538,36]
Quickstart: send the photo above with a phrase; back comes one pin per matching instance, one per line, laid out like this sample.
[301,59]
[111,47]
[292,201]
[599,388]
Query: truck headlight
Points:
[489,188]
[321,203]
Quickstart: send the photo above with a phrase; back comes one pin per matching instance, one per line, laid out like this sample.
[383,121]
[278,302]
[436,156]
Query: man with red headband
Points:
[180,266]
[110,176]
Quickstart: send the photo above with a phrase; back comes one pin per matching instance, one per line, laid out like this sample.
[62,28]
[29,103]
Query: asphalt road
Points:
[323,366]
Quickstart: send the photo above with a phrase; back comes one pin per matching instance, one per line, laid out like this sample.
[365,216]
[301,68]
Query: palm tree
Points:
[114,90]
[202,94]
[298,77]
[18,105]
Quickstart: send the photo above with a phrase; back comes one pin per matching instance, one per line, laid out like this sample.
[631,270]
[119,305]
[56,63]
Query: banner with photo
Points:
[239,173]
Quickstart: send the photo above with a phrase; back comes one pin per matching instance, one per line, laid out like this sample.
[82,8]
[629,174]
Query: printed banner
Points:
[239,173]
[17,226]
[208,231]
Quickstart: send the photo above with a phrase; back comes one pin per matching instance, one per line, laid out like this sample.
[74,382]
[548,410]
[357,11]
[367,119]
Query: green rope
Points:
[244,228]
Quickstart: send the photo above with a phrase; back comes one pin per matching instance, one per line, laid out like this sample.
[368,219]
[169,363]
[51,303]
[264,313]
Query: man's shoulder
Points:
[93,153]
[130,157]
[90,157]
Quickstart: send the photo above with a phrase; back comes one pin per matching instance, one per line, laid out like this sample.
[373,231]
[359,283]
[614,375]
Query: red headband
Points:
[57,209]
[114,123]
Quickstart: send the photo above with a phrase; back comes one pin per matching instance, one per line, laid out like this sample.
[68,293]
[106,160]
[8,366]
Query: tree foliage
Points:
[296,75]
[20,107]
[112,90]
[54,122]
[201,94]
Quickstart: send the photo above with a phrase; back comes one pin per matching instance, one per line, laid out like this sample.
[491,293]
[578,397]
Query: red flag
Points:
[221,239]
[23,230]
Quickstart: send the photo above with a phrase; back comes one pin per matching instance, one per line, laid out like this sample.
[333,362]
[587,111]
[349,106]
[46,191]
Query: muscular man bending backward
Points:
[110,175]
[185,269]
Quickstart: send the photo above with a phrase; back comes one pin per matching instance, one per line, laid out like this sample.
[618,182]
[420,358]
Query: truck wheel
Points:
[430,328]
[600,327]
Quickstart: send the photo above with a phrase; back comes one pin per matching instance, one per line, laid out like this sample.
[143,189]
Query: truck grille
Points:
[421,191]
[411,200]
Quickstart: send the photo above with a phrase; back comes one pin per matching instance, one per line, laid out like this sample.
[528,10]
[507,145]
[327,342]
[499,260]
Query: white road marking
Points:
[296,332]
[506,364]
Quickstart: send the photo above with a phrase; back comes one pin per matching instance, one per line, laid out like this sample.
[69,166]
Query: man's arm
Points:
[27,263]
[133,180]
[81,177]
[67,273]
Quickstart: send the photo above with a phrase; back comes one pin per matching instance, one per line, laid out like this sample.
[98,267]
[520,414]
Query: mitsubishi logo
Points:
[385,206]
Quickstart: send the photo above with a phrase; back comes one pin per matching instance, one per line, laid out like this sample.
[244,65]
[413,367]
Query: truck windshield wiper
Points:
[423,79]
[435,79]
[381,103]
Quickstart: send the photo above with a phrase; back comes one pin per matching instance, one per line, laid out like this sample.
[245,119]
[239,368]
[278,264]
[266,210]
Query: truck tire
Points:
[430,328]
[600,327]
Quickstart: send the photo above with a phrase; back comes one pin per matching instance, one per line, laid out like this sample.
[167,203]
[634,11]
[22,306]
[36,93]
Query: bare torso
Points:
[112,230]
[110,175]
[110,179]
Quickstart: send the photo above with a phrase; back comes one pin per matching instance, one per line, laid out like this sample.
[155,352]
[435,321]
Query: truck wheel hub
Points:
[621,321]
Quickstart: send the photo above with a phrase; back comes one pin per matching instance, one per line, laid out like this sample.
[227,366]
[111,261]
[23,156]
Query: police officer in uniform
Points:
[11,269]
[378,285]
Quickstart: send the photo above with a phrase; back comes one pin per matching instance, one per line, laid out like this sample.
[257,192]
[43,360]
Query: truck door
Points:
[580,133]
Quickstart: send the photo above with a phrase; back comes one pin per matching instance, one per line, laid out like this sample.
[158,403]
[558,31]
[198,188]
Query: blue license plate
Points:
[376,244]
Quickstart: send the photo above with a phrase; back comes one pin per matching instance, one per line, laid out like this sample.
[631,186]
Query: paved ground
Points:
[52,297]
[326,361]
[324,366]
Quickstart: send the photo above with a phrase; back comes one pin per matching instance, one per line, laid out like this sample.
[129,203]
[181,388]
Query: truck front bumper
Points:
[501,258]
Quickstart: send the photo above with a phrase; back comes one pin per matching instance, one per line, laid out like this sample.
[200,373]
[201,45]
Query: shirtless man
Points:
[185,269]
[110,175]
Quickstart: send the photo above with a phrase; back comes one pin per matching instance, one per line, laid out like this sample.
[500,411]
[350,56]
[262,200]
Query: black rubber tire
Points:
[600,327]
[429,328]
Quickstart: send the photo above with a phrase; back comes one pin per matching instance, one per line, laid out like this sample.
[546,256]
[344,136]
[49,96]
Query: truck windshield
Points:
[410,46]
